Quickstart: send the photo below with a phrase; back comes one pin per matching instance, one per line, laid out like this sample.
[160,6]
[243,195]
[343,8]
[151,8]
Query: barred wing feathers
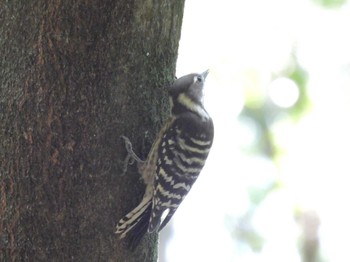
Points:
[182,153]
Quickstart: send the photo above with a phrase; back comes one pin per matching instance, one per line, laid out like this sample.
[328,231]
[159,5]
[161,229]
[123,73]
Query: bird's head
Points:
[186,93]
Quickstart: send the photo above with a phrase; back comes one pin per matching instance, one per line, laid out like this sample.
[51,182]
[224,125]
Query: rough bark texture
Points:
[74,76]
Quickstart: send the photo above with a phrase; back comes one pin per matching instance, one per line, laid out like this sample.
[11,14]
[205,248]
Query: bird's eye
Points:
[199,79]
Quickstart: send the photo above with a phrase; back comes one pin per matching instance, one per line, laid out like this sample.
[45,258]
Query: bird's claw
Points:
[131,157]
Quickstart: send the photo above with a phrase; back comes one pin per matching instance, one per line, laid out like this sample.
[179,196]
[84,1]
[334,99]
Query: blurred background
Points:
[276,184]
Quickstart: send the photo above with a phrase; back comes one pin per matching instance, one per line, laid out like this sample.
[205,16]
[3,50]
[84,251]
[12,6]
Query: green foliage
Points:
[330,3]
[299,76]
[263,114]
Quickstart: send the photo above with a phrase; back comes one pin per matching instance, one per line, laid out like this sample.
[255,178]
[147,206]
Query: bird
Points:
[174,162]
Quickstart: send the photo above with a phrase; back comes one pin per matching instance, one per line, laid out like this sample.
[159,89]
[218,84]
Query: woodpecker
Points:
[174,162]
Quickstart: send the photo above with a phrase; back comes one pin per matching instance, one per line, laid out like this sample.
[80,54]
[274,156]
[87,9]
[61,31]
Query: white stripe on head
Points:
[188,103]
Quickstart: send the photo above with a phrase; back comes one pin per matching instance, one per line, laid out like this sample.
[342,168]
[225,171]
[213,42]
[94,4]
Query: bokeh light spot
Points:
[284,92]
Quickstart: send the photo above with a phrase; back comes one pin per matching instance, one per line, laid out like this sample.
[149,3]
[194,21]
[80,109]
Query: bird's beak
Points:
[205,73]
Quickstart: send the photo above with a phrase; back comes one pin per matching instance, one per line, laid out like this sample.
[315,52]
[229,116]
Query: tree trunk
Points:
[74,76]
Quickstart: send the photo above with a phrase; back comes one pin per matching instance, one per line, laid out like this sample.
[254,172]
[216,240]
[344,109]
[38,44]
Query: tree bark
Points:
[74,76]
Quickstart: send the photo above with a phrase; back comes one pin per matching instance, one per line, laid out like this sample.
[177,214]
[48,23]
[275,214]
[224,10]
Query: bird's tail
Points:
[134,225]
